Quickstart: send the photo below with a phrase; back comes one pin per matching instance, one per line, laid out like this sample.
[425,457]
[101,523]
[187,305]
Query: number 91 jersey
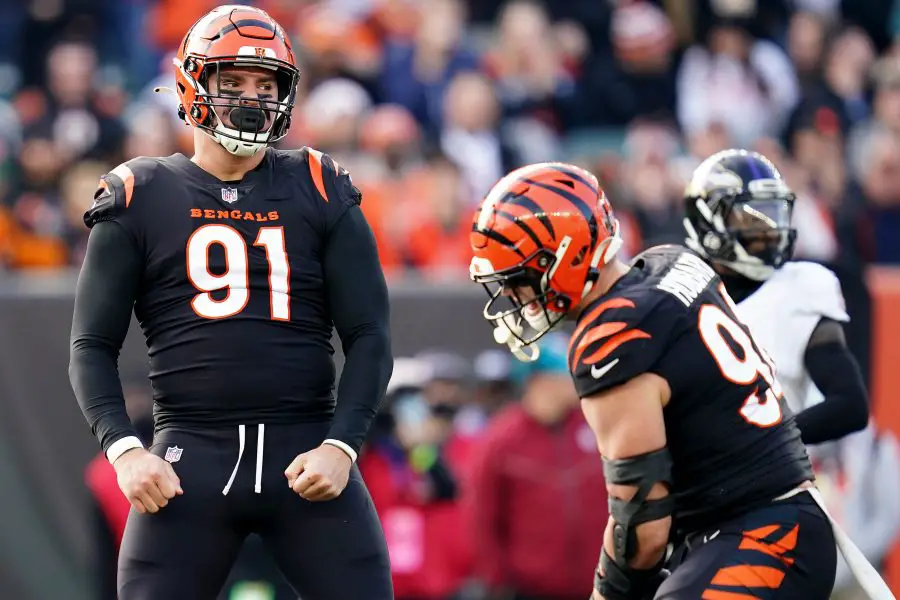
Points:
[233,299]
[732,437]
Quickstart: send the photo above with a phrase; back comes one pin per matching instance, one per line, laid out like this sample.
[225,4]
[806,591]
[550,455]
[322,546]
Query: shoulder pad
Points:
[660,255]
[620,338]
[115,191]
[332,181]
[819,289]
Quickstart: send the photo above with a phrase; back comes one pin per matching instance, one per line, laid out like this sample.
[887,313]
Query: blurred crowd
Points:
[429,102]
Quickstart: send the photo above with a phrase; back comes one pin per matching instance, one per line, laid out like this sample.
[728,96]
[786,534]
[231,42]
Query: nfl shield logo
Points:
[229,194]
[173,454]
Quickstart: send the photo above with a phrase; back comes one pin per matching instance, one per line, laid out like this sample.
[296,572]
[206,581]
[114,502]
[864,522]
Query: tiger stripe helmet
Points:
[548,227]
[243,36]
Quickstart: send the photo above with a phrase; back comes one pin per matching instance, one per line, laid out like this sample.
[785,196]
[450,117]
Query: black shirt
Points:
[237,287]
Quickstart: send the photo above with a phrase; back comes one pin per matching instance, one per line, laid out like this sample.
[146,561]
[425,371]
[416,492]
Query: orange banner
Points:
[884,284]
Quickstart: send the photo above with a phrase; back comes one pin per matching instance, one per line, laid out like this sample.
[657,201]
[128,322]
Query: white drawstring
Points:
[260,437]
[241,433]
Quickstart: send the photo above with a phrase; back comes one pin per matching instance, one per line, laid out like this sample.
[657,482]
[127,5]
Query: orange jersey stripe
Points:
[316,170]
[598,310]
[614,342]
[717,595]
[597,333]
[749,576]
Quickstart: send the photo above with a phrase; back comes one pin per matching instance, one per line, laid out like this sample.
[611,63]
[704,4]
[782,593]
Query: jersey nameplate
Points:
[687,279]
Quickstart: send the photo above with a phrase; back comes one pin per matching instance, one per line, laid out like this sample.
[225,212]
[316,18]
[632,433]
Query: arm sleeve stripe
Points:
[589,319]
[598,310]
[614,342]
[596,334]
[127,177]
[316,170]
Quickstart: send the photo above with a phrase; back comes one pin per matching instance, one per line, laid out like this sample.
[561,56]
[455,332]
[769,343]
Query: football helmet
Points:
[539,238]
[236,36]
[738,212]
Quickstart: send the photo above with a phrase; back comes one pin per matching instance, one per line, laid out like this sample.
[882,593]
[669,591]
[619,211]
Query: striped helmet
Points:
[236,36]
[538,239]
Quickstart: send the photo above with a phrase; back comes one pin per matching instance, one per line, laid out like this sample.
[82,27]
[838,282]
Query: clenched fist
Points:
[320,474]
[147,481]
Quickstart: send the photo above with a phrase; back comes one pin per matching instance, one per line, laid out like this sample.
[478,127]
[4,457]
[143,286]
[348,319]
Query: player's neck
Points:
[607,278]
[221,164]
[737,286]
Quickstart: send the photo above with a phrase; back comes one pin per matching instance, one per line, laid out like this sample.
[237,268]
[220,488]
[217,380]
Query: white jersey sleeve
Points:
[821,291]
[783,313]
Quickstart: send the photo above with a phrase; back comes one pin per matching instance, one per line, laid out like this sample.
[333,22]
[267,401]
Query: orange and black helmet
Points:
[236,36]
[545,228]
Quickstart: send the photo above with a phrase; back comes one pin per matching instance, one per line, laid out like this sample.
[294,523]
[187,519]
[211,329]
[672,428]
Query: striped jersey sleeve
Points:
[617,339]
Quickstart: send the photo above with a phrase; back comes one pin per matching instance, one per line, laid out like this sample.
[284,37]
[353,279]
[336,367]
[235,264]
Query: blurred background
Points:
[485,477]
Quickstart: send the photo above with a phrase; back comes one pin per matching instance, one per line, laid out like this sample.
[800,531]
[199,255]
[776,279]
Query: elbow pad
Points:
[621,582]
[642,471]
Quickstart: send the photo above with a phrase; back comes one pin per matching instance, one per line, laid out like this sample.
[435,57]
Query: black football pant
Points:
[332,550]
[784,551]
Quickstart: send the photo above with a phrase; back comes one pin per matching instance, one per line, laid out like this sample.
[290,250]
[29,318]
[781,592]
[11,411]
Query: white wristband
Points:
[122,446]
[343,446]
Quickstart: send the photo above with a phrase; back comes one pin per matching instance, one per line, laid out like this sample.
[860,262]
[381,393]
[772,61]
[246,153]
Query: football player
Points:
[237,263]
[738,218]
[697,441]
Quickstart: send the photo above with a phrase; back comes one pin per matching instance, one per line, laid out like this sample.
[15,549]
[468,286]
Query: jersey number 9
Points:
[236,278]
[744,371]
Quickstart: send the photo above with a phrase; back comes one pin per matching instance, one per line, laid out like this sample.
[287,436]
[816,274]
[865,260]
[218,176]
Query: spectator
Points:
[438,219]
[414,484]
[537,505]
[415,73]
[471,135]
[876,158]
[746,84]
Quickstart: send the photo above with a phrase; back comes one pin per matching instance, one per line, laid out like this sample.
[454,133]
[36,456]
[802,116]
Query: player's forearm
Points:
[95,381]
[103,302]
[364,379]
[359,307]
[845,408]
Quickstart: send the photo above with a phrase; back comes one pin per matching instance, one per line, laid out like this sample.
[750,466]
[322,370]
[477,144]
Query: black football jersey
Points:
[232,298]
[732,438]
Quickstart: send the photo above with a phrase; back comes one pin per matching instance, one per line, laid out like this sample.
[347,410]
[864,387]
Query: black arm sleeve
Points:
[104,298]
[359,307]
[836,373]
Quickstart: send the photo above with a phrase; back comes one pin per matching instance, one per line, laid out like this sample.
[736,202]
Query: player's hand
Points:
[595,595]
[320,474]
[147,481]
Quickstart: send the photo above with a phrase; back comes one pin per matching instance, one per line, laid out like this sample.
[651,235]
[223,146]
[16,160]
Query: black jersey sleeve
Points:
[618,339]
[358,304]
[104,298]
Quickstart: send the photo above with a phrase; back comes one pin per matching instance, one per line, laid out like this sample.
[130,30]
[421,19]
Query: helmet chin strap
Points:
[238,148]
[509,334]
[242,148]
